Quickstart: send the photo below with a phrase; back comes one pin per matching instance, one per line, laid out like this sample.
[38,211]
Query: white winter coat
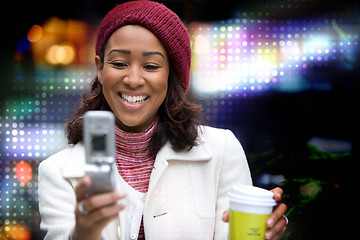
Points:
[186,198]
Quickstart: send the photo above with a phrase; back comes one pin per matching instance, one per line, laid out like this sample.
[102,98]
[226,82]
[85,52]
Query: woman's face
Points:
[134,76]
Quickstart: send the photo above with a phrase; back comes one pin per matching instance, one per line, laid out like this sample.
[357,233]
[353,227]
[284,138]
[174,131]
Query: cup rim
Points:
[250,195]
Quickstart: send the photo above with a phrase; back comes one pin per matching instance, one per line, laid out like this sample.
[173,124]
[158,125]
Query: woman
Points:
[173,174]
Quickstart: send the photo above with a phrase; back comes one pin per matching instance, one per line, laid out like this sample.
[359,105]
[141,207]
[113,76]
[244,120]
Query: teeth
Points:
[133,99]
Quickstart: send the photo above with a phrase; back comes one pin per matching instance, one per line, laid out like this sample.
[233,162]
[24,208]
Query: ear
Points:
[99,67]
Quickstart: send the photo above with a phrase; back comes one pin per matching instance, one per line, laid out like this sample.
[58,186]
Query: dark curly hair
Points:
[179,118]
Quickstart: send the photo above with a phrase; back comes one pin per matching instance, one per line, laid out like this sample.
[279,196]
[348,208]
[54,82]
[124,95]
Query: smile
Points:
[132,99]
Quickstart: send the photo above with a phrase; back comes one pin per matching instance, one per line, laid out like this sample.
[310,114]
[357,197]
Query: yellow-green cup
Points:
[249,208]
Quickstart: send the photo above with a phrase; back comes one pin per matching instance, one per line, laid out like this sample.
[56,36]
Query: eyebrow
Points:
[145,54]
[128,52]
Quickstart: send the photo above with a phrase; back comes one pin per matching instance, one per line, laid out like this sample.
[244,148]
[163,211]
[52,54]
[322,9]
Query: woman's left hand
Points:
[276,222]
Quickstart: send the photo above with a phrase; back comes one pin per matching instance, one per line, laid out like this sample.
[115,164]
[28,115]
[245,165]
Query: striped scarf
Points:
[132,157]
[133,161]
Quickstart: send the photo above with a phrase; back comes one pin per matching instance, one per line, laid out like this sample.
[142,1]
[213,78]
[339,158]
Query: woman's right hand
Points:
[101,208]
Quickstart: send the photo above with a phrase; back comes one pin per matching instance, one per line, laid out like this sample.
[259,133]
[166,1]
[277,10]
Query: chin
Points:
[132,124]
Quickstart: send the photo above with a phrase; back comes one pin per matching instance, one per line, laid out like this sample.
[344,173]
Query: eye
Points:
[119,64]
[151,67]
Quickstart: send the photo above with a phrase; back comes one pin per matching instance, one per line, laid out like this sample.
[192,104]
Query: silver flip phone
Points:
[99,141]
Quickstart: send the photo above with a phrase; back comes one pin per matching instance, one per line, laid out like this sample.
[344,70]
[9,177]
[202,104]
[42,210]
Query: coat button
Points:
[133,236]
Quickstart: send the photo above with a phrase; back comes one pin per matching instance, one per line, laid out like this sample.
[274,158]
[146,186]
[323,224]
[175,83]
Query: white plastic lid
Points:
[251,196]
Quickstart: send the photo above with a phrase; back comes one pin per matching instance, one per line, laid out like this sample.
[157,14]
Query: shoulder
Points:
[222,143]
[226,148]
[58,158]
[211,135]
[65,159]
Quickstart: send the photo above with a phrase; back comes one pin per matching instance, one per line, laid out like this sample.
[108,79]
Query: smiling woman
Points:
[174,171]
[137,82]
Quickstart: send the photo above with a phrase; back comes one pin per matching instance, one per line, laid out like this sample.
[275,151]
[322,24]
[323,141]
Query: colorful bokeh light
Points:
[23,172]
[247,55]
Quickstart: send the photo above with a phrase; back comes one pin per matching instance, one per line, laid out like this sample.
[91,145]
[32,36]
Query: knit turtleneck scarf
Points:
[133,159]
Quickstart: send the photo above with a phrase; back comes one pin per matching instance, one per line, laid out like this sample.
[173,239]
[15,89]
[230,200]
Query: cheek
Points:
[162,88]
[162,82]
[109,79]
[163,85]
[110,75]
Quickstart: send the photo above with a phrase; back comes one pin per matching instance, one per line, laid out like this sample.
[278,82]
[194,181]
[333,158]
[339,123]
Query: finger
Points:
[279,235]
[102,200]
[225,216]
[92,224]
[81,188]
[108,212]
[101,216]
[98,213]
[276,215]
[278,192]
[100,221]
[277,231]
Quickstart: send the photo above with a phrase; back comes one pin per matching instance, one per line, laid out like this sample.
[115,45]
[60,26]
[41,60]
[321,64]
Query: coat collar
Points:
[201,152]
[75,166]
[76,158]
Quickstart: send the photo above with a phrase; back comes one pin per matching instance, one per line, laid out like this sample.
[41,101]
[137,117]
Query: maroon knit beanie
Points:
[162,22]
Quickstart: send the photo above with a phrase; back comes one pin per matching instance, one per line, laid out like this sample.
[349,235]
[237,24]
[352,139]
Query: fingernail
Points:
[268,235]
[270,222]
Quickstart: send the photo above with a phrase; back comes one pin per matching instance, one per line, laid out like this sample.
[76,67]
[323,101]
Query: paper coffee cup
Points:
[250,207]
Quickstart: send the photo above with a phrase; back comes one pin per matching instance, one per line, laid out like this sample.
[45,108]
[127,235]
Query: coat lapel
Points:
[201,152]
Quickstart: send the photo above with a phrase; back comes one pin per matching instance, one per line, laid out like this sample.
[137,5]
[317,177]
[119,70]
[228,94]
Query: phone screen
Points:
[98,144]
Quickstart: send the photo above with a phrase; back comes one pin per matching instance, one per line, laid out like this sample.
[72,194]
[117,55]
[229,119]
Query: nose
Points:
[134,78]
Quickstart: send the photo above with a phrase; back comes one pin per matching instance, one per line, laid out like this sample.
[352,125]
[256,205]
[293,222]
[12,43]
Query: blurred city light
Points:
[23,172]
[251,55]
[62,42]
[60,54]
[35,33]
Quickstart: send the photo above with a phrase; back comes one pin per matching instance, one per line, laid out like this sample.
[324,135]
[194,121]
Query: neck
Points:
[134,143]
[136,129]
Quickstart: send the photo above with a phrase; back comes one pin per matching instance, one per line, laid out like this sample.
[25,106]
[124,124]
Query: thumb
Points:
[278,192]
[225,216]
[81,188]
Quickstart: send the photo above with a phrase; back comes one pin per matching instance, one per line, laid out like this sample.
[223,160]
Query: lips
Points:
[133,99]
